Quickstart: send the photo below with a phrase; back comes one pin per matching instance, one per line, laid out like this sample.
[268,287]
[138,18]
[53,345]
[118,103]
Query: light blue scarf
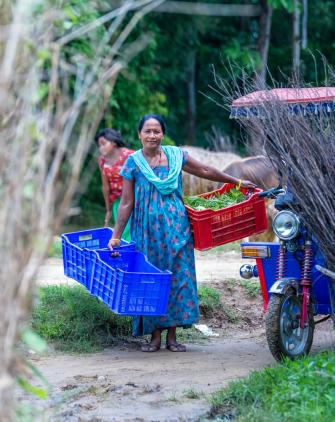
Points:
[175,159]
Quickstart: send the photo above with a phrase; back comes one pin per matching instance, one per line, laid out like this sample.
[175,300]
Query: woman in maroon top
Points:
[113,155]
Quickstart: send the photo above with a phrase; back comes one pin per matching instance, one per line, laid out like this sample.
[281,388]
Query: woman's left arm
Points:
[199,169]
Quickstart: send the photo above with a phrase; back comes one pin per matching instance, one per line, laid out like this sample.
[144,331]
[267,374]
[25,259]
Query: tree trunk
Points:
[263,44]
[191,97]
[296,40]
[304,24]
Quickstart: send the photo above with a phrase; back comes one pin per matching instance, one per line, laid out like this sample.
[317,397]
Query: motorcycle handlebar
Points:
[271,193]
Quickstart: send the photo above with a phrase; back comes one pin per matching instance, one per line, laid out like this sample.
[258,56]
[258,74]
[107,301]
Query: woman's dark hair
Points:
[157,117]
[111,135]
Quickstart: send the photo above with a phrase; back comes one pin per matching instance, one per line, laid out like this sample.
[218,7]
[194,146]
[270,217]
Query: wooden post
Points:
[296,39]
[191,97]
[264,36]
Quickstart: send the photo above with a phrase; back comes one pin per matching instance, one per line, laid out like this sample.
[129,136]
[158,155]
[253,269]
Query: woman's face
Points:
[106,147]
[151,134]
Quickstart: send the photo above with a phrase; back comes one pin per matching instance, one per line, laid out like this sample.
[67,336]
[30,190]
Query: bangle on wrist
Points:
[238,185]
[118,240]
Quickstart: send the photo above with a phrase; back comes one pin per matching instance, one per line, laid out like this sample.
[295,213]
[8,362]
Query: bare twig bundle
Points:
[218,141]
[302,149]
[301,146]
[51,102]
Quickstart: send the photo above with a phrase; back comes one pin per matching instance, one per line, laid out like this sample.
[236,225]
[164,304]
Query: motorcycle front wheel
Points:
[283,332]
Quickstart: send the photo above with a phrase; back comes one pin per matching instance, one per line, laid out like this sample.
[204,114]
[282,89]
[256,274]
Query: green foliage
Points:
[215,202]
[245,55]
[32,389]
[295,391]
[34,341]
[73,320]
[286,4]
[155,81]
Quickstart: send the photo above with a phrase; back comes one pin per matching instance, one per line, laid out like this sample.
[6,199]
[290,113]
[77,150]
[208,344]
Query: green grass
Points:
[302,390]
[75,321]
[230,313]
[252,287]
[192,394]
[209,300]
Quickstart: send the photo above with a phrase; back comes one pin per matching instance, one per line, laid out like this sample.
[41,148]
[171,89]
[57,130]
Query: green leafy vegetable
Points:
[215,202]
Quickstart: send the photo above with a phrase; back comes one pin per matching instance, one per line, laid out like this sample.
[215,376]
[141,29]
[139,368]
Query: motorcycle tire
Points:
[284,335]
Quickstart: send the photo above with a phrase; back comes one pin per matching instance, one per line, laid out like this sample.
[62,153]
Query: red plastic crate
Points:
[214,228]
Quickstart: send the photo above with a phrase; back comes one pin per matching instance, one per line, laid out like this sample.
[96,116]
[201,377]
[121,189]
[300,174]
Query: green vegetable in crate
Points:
[215,202]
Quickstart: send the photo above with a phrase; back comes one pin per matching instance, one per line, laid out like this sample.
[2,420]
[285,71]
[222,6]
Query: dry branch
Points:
[301,147]
[43,143]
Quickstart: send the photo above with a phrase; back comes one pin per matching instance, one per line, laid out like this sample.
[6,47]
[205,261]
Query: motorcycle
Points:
[295,285]
[298,290]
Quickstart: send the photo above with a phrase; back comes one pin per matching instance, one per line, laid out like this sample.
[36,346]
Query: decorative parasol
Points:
[300,101]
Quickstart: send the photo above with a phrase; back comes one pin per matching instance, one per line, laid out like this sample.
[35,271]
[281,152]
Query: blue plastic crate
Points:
[128,284]
[77,248]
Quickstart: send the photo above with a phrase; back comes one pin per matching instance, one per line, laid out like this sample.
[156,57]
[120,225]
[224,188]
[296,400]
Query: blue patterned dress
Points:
[159,225]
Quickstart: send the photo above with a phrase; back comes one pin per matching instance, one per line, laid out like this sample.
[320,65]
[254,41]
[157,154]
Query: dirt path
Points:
[124,384]
[209,266]
[127,385]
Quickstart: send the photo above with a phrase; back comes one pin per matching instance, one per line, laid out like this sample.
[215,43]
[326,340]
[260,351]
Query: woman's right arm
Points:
[124,211]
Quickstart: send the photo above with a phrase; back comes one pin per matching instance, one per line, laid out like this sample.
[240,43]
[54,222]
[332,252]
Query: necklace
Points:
[152,163]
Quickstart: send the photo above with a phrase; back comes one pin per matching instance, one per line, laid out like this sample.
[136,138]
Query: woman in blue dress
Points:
[152,197]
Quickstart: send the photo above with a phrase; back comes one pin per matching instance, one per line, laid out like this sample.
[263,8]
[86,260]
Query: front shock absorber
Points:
[281,261]
[306,282]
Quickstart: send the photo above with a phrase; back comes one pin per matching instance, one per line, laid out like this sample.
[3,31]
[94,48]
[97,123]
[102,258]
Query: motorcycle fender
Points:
[281,286]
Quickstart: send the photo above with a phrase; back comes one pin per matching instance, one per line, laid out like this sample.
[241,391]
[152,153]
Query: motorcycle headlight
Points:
[286,225]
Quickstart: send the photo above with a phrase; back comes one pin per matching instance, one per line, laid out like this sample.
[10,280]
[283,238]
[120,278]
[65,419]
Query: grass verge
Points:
[302,390]
[209,300]
[75,321]
[251,287]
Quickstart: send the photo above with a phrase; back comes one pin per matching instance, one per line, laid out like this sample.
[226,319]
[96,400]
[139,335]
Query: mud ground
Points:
[124,384]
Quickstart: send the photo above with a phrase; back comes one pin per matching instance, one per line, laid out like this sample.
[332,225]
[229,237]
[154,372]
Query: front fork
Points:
[305,276]
[306,282]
